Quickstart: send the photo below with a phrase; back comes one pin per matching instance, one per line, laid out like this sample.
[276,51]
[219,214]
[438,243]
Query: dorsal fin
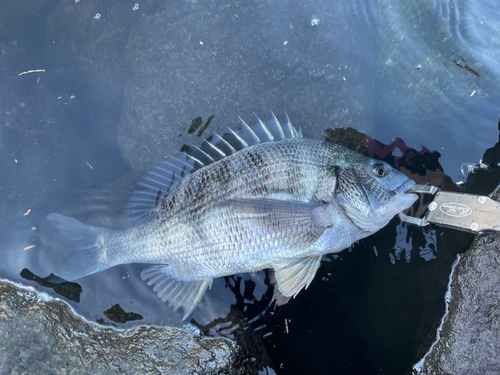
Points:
[158,183]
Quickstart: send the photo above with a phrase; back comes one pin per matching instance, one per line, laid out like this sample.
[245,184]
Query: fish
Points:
[262,197]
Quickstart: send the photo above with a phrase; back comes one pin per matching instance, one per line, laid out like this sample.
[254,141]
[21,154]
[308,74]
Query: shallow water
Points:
[120,91]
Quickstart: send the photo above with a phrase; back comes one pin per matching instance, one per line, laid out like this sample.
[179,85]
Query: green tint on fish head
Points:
[372,192]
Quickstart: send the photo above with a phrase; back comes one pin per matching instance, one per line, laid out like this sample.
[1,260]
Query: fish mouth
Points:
[401,190]
[405,187]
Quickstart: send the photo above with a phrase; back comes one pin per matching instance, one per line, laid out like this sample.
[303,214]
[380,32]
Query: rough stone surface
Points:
[46,337]
[470,334]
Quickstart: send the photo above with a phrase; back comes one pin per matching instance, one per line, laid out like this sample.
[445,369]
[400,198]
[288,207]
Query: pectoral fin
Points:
[300,223]
[178,293]
[291,276]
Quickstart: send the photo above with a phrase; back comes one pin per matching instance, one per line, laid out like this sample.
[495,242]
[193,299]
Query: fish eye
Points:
[380,171]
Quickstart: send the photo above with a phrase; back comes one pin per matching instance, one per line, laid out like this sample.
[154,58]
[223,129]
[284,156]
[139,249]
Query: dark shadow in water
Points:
[118,315]
[67,289]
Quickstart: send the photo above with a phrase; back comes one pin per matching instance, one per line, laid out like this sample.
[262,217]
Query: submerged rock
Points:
[43,336]
[469,337]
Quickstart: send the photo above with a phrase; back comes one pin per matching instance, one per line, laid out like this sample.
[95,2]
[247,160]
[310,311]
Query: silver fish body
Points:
[279,204]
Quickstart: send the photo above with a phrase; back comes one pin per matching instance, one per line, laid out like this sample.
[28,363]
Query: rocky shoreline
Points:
[43,335]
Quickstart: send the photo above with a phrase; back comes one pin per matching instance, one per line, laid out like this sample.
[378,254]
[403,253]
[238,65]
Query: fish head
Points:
[371,192]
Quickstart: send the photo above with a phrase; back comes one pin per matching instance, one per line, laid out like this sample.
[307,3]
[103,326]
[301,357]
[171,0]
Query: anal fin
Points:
[293,275]
[187,294]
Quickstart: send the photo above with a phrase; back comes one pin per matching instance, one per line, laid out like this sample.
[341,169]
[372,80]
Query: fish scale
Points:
[271,199]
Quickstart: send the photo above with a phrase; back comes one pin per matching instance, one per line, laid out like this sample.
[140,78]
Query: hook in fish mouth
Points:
[404,188]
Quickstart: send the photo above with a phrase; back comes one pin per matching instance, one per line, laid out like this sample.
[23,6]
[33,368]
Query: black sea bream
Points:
[262,197]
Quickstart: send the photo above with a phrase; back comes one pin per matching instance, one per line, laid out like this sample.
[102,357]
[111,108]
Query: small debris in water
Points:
[91,167]
[84,58]
[97,16]
[314,22]
[473,92]
[136,6]
[418,66]
[29,247]
[27,212]
[32,71]
[465,66]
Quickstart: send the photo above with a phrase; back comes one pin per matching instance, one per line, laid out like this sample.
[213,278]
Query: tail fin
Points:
[84,255]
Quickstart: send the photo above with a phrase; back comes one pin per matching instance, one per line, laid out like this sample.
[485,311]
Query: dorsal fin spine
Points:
[196,160]
[226,143]
[249,129]
[291,128]
[278,125]
[293,131]
[216,149]
[242,141]
[265,128]
[204,153]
